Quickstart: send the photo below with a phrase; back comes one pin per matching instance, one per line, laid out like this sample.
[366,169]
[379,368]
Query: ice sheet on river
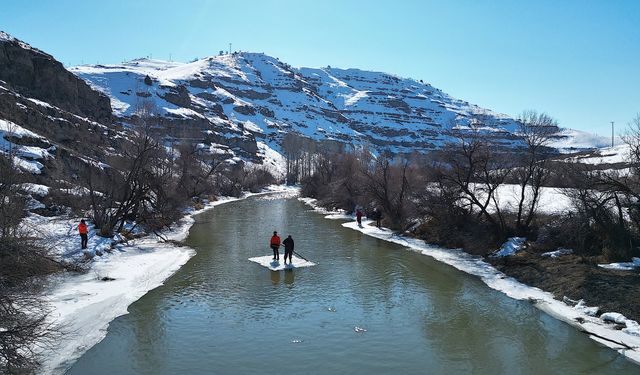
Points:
[267,261]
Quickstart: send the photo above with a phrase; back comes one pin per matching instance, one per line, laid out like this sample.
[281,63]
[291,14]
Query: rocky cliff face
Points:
[35,74]
[53,123]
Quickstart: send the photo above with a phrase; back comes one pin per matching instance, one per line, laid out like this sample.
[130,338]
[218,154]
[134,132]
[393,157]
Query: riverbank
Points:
[626,340]
[577,278]
[83,305]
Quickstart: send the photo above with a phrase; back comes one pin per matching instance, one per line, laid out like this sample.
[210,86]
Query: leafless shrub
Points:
[532,172]
[23,325]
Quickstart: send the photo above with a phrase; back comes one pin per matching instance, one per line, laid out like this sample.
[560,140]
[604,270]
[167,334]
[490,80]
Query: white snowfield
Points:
[571,140]
[268,262]
[579,316]
[606,155]
[551,200]
[83,304]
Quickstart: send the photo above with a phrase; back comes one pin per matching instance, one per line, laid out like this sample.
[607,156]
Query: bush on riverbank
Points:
[23,261]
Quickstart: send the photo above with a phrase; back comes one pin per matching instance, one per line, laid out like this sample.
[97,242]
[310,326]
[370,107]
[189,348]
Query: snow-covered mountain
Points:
[252,96]
[239,105]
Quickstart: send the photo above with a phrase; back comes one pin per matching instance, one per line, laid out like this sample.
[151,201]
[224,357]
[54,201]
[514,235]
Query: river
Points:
[367,307]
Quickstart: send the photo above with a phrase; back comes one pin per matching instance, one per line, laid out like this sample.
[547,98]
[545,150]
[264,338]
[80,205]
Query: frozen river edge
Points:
[595,327]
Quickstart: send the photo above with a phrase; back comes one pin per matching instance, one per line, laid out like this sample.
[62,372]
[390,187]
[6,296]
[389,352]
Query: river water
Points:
[367,307]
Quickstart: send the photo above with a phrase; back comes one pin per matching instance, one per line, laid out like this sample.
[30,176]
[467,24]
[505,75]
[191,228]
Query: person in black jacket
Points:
[377,215]
[288,249]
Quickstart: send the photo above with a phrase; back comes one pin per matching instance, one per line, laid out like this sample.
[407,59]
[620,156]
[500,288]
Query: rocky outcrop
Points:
[179,96]
[35,74]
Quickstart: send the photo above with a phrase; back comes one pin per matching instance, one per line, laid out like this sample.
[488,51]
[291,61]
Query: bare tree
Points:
[632,139]
[389,185]
[478,172]
[197,167]
[12,204]
[606,205]
[536,130]
[292,146]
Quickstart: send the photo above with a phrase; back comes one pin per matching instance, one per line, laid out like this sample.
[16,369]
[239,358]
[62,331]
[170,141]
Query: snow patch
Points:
[557,253]
[512,246]
[623,266]
[273,161]
[35,189]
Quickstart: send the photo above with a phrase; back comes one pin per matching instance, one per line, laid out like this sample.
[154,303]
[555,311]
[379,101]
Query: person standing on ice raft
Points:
[275,245]
[288,249]
[83,230]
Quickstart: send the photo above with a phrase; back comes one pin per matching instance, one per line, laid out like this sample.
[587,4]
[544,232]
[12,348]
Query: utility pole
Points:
[611,133]
[229,48]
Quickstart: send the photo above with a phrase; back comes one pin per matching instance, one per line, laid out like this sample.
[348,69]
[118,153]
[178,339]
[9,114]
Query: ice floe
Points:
[275,265]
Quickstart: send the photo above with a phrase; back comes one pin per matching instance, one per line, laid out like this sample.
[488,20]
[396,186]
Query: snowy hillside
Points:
[255,95]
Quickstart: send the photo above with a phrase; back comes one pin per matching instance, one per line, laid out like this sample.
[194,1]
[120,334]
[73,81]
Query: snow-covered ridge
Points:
[4,37]
[348,105]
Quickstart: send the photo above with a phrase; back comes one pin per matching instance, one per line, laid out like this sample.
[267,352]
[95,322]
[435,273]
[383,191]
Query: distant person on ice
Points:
[359,217]
[288,249]
[83,230]
[275,245]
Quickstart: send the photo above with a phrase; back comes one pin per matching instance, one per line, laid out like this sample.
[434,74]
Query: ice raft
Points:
[274,265]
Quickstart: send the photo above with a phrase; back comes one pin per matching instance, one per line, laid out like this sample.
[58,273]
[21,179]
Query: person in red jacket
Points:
[275,245]
[83,230]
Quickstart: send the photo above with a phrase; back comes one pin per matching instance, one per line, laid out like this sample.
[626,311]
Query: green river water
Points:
[221,314]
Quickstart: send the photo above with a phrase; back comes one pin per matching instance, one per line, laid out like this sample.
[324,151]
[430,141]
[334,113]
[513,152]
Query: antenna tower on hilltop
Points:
[611,133]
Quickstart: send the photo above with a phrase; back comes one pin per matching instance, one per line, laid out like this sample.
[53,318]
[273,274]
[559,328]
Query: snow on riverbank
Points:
[84,305]
[512,246]
[623,266]
[577,316]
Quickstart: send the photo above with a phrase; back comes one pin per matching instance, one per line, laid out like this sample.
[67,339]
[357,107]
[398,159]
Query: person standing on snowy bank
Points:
[83,230]
[288,249]
[359,217]
[377,215]
[275,245]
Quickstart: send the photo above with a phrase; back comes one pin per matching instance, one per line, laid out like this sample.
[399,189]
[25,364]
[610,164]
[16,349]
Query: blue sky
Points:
[579,61]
